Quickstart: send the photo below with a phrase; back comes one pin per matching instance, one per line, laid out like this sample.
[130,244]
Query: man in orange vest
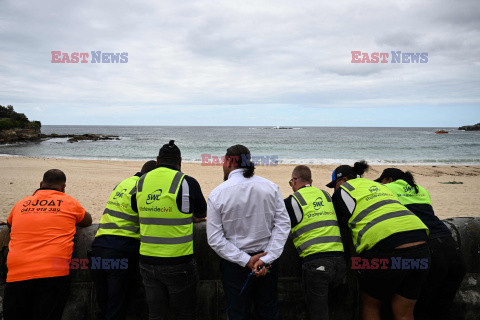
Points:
[40,250]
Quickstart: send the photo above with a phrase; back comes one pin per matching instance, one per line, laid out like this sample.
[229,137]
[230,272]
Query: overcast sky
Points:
[242,62]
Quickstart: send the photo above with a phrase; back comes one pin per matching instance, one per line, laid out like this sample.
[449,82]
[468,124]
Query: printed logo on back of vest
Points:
[119,194]
[373,189]
[154,196]
[318,203]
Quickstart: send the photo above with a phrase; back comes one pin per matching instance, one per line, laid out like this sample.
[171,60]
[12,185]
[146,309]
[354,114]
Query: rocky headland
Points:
[15,127]
[475,127]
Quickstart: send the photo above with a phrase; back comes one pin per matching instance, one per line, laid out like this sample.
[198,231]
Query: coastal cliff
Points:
[475,127]
[15,127]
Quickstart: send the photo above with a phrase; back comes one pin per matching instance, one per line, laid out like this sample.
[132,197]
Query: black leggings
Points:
[447,270]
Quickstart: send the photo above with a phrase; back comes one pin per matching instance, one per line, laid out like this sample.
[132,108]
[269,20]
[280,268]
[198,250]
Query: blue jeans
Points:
[261,292]
[174,284]
[319,277]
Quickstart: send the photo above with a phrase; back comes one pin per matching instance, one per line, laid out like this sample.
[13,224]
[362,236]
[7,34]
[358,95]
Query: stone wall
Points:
[466,232]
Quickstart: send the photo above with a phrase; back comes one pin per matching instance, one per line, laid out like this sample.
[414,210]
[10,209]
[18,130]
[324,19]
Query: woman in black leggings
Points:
[447,265]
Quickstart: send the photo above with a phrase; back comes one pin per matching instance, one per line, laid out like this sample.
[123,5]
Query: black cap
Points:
[339,173]
[169,151]
[393,173]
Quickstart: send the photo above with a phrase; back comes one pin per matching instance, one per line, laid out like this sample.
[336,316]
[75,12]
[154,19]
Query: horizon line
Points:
[247,126]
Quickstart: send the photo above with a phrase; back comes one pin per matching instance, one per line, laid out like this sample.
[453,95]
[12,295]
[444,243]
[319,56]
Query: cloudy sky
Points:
[242,62]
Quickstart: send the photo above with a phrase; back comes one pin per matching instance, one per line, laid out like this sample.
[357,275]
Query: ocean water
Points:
[309,145]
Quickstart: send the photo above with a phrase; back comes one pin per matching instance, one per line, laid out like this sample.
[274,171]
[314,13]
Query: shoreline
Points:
[308,162]
[91,181]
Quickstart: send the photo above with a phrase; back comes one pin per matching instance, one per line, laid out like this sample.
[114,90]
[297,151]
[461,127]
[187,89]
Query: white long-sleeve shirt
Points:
[247,215]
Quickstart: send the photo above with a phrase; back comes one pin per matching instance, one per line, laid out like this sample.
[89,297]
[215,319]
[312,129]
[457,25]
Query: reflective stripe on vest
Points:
[175,182]
[348,186]
[139,186]
[134,190]
[160,240]
[313,226]
[300,198]
[164,230]
[373,207]
[327,196]
[318,229]
[377,215]
[166,222]
[321,240]
[120,215]
[114,226]
[378,220]
[118,218]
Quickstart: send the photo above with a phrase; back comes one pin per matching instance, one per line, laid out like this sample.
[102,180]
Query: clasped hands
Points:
[257,265]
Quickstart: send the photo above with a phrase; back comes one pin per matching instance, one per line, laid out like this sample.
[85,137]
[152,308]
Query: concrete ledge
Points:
[81,304]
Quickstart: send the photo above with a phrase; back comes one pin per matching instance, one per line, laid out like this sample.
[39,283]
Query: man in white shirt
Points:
[247,226]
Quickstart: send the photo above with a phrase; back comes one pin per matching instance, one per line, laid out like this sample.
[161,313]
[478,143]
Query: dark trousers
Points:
[43,298]
[261,292]
[446,274]
[113,283]
[174,284]
[320,277]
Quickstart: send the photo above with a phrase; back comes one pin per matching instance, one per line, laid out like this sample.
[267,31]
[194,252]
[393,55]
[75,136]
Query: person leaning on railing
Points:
[40,250]
[382,229]
[448,266]
[316,236]
[168,202]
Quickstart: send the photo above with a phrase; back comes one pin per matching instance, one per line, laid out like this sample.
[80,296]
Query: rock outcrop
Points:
[19,135]
[475,127]
[80,137]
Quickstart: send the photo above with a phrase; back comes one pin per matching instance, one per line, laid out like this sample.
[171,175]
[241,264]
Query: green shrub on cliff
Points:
[9,119]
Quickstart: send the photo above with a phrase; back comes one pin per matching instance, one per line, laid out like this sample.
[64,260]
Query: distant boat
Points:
[280,128]
[441,131]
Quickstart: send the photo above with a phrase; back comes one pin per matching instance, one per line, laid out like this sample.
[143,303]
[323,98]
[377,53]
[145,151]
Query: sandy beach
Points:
[91,181]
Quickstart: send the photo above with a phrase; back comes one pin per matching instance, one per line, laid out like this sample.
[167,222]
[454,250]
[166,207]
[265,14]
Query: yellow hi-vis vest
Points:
[118,218]
[378,214]
[406,193]
[318,229]
[164,230]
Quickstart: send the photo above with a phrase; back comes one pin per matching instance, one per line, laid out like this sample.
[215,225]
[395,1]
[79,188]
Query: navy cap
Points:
[339,173]
[393,173]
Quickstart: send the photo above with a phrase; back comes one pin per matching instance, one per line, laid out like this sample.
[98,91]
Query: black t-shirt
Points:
[427,215]
[291,213]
